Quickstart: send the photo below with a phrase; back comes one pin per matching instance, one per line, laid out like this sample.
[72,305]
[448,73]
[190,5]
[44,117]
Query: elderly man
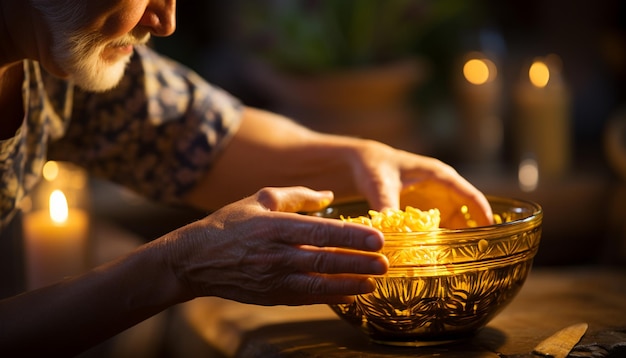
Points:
[77,84]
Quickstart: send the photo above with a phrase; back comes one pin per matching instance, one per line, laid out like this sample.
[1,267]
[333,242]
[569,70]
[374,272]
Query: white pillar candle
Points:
[479,91]
[54,250]
[542,121]
[55,232]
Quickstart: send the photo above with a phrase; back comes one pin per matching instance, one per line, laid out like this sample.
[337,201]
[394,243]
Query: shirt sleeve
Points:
[156,133]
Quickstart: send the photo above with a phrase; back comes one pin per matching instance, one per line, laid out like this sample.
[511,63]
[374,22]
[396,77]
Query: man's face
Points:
[92,41]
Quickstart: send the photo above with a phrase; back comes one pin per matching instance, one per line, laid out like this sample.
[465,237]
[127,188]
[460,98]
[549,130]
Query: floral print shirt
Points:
[156,133]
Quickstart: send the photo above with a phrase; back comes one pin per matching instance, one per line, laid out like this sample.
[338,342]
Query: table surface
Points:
[551,299]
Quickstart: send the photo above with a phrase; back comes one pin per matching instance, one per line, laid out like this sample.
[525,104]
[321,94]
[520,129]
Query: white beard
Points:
[81,56]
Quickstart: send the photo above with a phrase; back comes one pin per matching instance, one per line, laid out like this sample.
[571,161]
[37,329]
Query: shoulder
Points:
[172,88]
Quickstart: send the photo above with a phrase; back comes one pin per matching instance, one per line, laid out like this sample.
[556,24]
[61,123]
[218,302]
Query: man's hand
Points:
[258,250]
[391,178]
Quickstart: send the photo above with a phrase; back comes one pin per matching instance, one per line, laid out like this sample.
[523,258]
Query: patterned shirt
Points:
[156,133]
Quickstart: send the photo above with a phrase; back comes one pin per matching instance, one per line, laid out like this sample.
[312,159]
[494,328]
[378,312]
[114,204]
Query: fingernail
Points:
[325,202]
[378,267]
[374,242]
[368,286]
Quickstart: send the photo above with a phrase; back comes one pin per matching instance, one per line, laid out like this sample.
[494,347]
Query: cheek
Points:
[120,22]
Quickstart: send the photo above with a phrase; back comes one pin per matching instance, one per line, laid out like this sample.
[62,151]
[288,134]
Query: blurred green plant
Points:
[312,36]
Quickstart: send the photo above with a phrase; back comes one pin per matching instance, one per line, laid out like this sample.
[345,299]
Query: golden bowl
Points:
[444,285]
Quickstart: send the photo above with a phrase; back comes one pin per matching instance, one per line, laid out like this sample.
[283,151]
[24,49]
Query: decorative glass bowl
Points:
[444,285]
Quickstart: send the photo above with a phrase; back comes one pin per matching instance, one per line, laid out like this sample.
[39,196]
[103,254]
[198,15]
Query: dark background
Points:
[584,209]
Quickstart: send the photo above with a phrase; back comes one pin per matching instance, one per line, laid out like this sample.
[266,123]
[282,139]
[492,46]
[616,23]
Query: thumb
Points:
[294,199]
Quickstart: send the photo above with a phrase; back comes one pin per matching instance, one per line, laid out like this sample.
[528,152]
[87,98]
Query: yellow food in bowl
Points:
[390,220]
[410,220]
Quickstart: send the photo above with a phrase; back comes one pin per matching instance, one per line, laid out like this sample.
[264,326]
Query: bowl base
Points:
[421,340]
[413,343]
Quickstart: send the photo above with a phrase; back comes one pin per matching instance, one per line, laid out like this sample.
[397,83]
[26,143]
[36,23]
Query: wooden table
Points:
[551,299]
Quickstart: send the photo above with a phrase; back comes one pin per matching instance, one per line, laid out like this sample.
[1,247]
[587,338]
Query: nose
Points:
[160,17]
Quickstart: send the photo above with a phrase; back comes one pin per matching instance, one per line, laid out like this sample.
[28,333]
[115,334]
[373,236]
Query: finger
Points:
[323,232]
[445,189]
[478,206]
[382,190]
[304,288]
[294,199]
[300,300]
[321,286]
[387,197]
[479,211]
[335,261]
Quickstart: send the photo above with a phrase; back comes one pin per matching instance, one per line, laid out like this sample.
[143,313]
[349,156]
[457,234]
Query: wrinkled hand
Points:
[258,250]
[391,178]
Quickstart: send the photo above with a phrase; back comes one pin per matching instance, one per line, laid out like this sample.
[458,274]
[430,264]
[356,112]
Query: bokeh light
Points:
[539,74]
[479,71]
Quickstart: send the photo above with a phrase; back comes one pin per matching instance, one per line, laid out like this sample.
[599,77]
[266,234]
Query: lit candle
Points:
[541,125]
[55,239]
[479,92]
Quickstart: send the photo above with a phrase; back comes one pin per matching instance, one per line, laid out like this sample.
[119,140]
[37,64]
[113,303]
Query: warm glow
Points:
[58,207]
[478,71]
[539,74]
[528,175]
[50,170]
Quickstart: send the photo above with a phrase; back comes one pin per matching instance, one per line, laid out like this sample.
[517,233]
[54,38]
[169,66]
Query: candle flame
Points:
[479,71]
[539,74]
[58,207]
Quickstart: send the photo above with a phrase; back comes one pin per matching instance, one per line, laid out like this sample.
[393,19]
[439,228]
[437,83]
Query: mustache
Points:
[135,37]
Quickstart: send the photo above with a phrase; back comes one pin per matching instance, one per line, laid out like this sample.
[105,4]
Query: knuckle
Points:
[268,197]
[321,234]
[314,285]
[320,263]
[305,284]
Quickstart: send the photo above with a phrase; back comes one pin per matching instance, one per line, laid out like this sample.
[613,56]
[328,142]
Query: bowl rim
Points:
[536,215]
